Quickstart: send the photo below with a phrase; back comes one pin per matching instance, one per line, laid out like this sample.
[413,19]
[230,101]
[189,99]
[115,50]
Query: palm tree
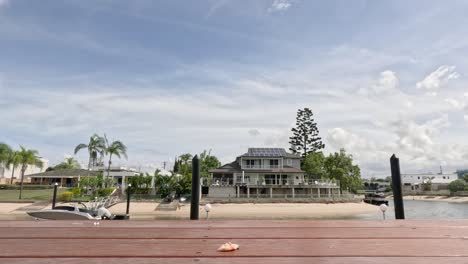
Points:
[13,161]
[5,152]
[95,146]
[69,163]
[116,148]
[26,158]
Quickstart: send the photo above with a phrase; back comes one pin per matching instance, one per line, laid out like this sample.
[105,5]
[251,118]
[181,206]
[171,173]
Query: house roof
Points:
[269,152]
[65,173]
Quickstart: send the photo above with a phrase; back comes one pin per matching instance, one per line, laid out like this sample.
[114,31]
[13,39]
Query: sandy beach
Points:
[147,210]
[450,199]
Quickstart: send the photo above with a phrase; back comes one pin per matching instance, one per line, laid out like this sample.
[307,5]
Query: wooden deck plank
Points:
[249,248]
[321,260]
[230,233]
[244,223]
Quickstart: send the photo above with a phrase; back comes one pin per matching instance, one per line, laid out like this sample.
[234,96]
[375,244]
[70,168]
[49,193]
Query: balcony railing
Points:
[264,166]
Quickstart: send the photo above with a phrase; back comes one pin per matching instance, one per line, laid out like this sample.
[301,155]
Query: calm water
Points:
[426,210]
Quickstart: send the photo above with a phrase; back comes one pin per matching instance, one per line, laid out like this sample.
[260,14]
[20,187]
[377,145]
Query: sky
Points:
[169,77]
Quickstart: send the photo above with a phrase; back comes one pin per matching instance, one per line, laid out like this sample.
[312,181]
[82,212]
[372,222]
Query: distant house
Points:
[64,178]
[266,172]
[414,182]
[71,177]
[6,176]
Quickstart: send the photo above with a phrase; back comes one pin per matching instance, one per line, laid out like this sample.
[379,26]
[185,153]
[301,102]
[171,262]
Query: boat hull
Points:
[60,215]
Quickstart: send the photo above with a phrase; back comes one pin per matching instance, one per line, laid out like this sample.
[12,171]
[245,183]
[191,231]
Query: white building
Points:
[414,181]
[6,173]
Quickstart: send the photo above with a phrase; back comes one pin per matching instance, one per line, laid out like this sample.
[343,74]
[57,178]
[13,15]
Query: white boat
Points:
[97,210]
[59,214]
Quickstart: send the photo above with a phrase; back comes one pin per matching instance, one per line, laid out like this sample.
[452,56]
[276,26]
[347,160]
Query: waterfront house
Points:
[71,177]
[415,182]
[268,173]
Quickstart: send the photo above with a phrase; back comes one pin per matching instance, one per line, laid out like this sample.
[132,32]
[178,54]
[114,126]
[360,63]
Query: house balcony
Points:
[260,167]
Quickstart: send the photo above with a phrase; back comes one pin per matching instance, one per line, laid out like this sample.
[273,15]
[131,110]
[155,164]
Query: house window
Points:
[443,177]
[289,162]
[274,163]
[270,179]
[250,163]
[419,177]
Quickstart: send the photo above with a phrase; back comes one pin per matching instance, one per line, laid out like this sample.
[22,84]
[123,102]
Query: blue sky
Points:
[169,77]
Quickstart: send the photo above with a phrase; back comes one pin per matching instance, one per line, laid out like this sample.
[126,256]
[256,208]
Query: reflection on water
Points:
[426,210]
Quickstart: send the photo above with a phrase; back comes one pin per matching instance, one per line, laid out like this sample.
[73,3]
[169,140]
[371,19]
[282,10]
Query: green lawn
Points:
[34,195]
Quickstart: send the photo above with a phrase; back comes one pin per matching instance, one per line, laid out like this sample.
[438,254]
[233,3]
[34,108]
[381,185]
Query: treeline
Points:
[337,166]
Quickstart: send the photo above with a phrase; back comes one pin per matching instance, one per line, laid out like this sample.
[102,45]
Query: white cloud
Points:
[254,132]
[455,103]
[280,5]
[341,138]
[388,81]
[437,78]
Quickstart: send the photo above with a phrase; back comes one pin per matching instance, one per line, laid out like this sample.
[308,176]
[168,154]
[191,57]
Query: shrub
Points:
[105,192]
[65,196]
[76,192]
[456,185]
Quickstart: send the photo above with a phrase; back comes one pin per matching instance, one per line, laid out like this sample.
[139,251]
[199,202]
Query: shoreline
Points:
[247,211]
[449,199]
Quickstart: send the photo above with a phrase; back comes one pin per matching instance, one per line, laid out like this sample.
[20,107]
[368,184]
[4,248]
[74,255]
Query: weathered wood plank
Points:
[249,248]
[230,233]
[244,223]
[321,260]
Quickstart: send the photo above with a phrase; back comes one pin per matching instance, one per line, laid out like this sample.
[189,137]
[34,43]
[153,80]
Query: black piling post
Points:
[396,187]
[54,198]
[195,200]
[128,198]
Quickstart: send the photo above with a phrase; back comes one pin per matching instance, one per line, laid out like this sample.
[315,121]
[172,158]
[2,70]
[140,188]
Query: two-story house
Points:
[266,172]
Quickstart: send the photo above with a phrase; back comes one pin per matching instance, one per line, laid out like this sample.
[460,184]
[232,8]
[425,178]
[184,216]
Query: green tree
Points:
[164,184]
[183,184]
[115,148]
[68,163]
[427,185]
[339,166]
[91,183]
[95,146]
[13,161]
[314,165]
[457,185]
[185,164]
[305,137]
[176,165]
[27,157]
[5,152]
[207,163]
[465,177]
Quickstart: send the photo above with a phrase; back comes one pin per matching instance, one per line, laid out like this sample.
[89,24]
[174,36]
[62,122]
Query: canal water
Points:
[425,210]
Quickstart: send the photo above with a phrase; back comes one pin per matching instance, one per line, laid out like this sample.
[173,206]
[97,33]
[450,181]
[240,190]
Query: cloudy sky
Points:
[170,77]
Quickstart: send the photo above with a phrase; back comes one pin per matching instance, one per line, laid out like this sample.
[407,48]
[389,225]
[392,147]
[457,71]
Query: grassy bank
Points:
[29,195]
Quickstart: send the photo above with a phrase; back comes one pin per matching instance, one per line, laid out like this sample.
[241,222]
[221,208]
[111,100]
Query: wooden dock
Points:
[261,241]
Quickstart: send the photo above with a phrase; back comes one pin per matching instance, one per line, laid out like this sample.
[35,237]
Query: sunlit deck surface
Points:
[261,241]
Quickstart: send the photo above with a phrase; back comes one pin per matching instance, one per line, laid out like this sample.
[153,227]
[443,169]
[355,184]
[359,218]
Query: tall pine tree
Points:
[305,137]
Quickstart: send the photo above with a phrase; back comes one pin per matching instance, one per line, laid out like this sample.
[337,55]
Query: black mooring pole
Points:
[195,200]
[396,187]
[54,198]
[128,198]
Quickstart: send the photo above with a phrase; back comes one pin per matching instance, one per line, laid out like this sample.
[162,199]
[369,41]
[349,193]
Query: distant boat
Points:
[375,198]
